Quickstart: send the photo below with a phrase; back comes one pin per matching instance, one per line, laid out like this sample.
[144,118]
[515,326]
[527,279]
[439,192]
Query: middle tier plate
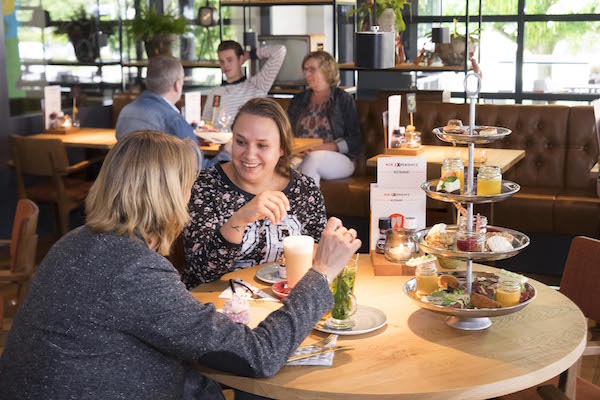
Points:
[519,242]
[508,189]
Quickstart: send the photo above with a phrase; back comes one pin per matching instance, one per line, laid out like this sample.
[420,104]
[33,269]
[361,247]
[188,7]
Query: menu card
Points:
[401,172]
[51,104]
[193,108]
[397,193]
[394,103]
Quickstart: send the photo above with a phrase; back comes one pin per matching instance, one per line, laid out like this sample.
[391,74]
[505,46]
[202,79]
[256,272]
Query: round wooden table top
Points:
[416,355]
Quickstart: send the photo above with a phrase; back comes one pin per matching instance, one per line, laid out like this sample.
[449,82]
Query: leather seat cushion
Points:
[577,212]
[347,197]
[530,210]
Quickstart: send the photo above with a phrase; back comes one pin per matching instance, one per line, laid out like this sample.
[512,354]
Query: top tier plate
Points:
[465,138]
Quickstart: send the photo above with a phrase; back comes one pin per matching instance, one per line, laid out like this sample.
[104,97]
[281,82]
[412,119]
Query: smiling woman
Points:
[241,211]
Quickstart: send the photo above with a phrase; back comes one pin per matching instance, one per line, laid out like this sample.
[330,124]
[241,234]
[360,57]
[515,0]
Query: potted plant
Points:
[385,8]
[389,19]
[453,53]
[86,33]
[158,31]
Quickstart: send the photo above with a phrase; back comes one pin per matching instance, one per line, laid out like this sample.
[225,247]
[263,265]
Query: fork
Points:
[321,343]
[255,296]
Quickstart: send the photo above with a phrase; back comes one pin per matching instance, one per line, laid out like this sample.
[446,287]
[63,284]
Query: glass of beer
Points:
[298,251]
[345,305]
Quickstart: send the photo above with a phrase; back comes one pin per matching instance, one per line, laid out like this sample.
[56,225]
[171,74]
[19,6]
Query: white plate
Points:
[269,274]
[367,320]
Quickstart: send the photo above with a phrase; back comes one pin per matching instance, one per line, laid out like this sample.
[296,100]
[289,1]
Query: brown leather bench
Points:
[557,194]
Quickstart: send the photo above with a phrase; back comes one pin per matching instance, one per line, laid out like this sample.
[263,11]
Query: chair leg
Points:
[63,220]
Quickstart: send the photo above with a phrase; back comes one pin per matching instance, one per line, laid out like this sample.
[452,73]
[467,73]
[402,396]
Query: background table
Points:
[503,158]
[105,139]
[89,138]
[417,356]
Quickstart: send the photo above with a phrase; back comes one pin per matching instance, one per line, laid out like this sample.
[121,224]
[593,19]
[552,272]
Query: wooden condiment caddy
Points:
[405,151]
[383,267]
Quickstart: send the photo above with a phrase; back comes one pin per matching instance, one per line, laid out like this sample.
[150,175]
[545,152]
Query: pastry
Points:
[237,310]
[438,237]
[498,243]
[488,130]
[453,129]
[481,301]
[446,281]
[449,184]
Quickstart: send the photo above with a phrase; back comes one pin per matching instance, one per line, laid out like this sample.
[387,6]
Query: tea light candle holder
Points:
[398,246]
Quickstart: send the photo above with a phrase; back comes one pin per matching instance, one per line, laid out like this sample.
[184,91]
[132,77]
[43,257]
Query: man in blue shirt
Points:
[155,108]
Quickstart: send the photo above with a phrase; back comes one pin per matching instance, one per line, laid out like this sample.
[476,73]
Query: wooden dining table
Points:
[435,155]
[105,139]
[416,355]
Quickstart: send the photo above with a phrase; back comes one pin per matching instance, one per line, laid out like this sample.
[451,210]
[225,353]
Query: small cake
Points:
[453,129]
[449,184]
[488,130]
[498,243]
[438,237]
[236,309]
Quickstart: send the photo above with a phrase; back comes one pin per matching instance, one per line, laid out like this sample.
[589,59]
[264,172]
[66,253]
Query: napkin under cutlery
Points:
[324,359]
[244,293]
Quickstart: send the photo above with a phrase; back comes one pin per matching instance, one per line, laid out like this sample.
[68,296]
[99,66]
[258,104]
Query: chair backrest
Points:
[581,277]
[24,238]
[41,157]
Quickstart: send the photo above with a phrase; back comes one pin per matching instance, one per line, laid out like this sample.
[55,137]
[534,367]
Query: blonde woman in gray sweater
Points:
[107,316]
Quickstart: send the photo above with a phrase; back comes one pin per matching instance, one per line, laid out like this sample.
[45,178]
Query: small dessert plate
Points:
[281,289]
[269,274]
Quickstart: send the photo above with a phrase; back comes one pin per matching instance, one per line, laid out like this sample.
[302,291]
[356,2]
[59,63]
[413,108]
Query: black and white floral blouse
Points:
[215,199]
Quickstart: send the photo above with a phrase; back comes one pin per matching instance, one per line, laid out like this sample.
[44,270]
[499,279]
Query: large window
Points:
[546,50]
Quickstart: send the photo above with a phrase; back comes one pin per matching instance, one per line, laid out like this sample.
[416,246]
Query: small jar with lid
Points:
[508,293]
[413,140]
[454,167]
[427,279]
[473,239]
[489,181]
[398,137]
[385,224]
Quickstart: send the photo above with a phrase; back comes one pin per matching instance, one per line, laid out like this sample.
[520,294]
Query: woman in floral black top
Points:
[241,211]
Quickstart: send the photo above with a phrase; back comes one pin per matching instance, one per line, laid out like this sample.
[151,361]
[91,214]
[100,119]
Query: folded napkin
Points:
[324,359]
[245,293]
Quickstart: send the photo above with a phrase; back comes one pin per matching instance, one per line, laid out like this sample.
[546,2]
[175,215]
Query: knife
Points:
[314,353]
[254,289]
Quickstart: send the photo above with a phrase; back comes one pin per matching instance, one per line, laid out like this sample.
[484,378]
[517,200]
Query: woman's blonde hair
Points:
[269,108]
[143,188]
[328,65]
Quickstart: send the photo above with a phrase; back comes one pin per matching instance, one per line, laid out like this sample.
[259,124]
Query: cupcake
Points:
[236,309]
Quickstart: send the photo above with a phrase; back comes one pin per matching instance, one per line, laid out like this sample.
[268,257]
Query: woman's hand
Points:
[336,247]
[270,204]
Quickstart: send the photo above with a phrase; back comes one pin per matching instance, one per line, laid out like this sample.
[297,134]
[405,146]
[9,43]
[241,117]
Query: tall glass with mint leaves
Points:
[345,304]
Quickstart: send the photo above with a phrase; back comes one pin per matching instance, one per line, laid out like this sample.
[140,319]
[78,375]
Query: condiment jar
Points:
[385,224]
[427,279]
[471,239]
[508,293]
[454,167]
[398,137]
[489,181]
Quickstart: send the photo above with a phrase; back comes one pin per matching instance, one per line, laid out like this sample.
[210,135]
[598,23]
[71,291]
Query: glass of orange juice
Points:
[427,279]
[489,181]
[508,293]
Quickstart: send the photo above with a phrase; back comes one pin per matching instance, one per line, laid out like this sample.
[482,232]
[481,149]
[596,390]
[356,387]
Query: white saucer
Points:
[214,137]
[269,274]
[367,319]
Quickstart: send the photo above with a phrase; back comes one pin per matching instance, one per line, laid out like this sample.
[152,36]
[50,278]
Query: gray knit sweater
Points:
[107,318]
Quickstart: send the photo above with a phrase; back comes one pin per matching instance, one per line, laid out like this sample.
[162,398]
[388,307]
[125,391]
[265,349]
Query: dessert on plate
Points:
[237,309]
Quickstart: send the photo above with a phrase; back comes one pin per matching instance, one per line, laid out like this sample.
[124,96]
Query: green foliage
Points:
[82,22]
[148,23]
[366,8]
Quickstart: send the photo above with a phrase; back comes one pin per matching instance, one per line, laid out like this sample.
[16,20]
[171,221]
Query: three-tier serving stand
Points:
[470,319]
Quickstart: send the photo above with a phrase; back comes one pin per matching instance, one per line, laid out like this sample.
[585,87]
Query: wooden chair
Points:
[580,283]
[48,158]
[23,244]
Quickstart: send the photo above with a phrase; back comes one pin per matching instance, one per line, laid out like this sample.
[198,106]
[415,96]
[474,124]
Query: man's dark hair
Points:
[231,45]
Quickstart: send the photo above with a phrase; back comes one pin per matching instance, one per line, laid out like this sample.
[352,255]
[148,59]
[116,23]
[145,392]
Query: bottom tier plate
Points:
[465,315]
